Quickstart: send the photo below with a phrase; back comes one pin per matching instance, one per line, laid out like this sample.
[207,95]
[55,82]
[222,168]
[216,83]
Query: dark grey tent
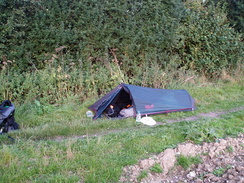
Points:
[146,100]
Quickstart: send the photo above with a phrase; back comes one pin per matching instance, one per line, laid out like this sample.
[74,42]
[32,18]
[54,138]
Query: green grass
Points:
[46,148]
[156,168]
[186,162]
[221,170]
[143,174]
[70,119]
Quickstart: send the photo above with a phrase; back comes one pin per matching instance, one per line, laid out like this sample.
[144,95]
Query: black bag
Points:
[7,121]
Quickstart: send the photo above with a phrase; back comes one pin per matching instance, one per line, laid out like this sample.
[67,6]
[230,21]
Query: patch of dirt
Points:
[222,162]
[199,116]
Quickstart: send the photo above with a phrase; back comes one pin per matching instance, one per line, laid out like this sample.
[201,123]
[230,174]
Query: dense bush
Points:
[31,30]
[54,49]
[208,44]
[235,13]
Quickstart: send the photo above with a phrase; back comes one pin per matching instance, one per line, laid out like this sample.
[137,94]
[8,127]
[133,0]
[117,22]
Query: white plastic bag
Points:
[148,121]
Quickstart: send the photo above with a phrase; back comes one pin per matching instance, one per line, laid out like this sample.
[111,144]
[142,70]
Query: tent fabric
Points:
[146,100]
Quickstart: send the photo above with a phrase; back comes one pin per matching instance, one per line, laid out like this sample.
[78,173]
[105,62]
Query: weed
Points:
[143,174]
[205,153]
[186,162]
[199,131]
[221,170]
[230,149]
[156,168]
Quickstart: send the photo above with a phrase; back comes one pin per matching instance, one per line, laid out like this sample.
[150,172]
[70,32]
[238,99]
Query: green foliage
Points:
[235,13]
[51,50]
[186,162]
[42,109]
[62,142]
[156,168]
[46,86]
[32,30]
[201,132]
[230,149]
[143,174]
[208,44]
[43,120]
[221,170]
[209,130]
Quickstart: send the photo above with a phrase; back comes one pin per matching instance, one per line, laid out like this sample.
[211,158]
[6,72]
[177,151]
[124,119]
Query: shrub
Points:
[207,43]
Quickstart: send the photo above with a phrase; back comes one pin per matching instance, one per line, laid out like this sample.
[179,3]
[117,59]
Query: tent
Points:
[147,101]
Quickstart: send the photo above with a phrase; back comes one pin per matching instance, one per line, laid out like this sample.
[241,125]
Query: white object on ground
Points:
[89,114]
[148,121]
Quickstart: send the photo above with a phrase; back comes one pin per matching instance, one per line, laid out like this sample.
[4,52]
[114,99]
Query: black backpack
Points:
[7,121]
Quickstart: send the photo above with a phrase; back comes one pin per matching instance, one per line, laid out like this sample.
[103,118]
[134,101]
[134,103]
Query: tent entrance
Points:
[121,102]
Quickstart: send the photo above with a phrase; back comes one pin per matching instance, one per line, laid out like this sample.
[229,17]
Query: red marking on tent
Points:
[149,106]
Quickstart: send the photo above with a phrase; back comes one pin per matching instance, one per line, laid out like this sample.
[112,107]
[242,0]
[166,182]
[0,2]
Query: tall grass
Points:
[55,84]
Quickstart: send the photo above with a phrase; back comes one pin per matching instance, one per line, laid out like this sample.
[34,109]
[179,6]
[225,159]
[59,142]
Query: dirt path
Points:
[191,118]
[199,116]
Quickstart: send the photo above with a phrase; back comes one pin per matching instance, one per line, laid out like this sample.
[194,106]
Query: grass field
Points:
[59,145]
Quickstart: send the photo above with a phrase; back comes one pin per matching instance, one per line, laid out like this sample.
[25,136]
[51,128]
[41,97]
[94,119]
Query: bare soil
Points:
[222,162]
